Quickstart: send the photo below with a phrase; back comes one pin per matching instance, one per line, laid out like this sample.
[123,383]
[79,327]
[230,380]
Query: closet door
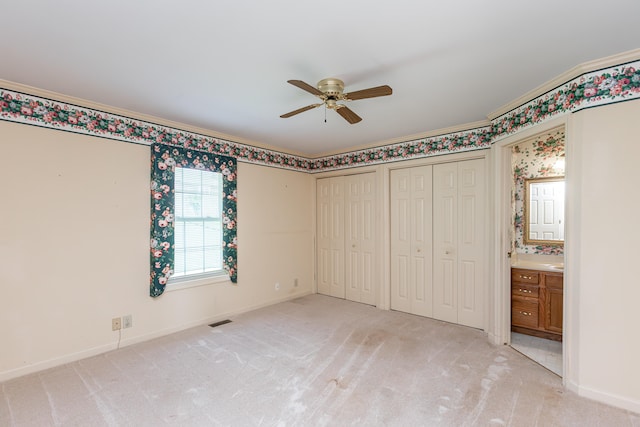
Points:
[445,238]
[471,242]
[411,240]
[360,237]
[459,242]
[330,231]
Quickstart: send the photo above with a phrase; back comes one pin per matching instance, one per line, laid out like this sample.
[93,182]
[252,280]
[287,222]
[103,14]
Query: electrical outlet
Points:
[277,286]
[127,321]
[116,324]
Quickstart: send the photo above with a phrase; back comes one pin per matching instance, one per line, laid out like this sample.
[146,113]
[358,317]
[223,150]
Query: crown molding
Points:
[577,71]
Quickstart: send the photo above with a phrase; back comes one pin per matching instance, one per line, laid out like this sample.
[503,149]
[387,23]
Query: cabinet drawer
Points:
[524,276]
[524,313]
[522,290]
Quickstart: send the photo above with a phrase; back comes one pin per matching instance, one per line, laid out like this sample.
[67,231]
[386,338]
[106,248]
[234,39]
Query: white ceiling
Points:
[223,64]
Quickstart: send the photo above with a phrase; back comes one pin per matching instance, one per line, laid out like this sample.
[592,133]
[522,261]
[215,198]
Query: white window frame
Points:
[200,278]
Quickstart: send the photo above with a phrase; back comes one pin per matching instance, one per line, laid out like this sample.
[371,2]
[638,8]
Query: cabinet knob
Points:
[419,250]
[353,246]
[525,313]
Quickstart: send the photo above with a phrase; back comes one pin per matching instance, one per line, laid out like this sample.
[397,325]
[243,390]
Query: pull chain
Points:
[325,113]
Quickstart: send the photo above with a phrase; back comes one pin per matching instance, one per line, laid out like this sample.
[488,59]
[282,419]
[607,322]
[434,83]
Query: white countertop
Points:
[538,262]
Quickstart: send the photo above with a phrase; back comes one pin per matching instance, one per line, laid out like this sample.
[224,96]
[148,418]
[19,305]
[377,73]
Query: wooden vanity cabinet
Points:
[536,303]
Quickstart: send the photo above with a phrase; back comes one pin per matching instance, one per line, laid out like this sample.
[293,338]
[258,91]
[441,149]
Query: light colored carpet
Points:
[314,361]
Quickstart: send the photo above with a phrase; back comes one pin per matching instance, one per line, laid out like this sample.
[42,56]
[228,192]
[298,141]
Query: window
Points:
[198,224]
[193,215]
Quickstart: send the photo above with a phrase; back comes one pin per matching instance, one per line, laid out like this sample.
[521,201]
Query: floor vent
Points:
[222,322]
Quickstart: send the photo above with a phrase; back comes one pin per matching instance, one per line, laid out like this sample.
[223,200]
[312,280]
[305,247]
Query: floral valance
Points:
[164,160]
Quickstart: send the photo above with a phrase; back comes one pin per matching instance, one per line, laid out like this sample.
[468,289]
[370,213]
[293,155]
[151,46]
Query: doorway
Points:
[533,269]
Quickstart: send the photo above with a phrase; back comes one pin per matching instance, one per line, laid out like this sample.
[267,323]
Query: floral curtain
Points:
[164,159]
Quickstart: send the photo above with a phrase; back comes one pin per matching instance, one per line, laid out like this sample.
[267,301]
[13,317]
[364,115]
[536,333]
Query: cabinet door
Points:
[360,238]
[411,240]
[553,302]
[330,231]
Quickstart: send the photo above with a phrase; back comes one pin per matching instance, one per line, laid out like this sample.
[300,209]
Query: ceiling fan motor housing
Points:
[331,87]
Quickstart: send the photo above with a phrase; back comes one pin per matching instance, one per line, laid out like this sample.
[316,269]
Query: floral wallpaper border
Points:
[606,86]
[24,108]
[475,139]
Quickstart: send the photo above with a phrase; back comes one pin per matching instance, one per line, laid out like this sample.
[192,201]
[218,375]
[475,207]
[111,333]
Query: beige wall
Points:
[603,157]
[74,237]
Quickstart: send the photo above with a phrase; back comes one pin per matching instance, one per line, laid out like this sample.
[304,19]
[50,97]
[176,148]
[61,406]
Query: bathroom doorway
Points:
[533,271]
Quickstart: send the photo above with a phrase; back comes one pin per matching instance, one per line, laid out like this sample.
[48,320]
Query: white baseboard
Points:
[610,399]
[56,361]
[208,320]
[494,339]
[72,357]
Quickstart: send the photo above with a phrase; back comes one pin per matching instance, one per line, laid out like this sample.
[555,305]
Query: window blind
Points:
[198,225]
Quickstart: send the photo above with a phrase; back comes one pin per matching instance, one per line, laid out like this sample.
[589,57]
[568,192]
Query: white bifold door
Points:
[411,237]
[330,232]
[438,241]
[346,247]
[459,242]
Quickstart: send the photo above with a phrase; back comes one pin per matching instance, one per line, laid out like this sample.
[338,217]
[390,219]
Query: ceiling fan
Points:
[330,91]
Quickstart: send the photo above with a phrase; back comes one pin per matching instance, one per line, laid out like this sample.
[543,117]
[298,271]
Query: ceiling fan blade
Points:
[300,110]
[369,93]
[305,86]
[348,115]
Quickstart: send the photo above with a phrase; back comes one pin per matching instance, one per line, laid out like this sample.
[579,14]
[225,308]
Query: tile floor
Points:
[547,353]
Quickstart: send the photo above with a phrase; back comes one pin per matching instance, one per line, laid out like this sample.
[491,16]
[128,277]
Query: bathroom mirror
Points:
[544,211]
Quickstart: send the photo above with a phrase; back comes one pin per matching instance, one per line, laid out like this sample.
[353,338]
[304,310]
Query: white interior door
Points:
[360,238]
[546,211]
[330,231]
[411,240]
